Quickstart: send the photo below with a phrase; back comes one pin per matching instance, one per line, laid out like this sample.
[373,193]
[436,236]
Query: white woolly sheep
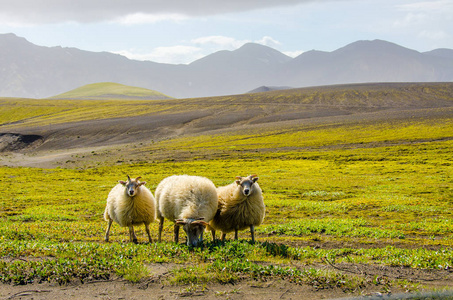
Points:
[241,206]
[188,201]
[130,203]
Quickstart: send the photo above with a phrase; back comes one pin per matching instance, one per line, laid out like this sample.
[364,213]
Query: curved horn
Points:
[136,179]
[128,178]
[254,175]
[180,222]
[200,222]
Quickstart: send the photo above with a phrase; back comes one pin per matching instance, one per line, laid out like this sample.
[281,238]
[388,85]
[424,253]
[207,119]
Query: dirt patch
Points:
[438,278]
[154,287]
[16,142]
[119,140]
[120,289]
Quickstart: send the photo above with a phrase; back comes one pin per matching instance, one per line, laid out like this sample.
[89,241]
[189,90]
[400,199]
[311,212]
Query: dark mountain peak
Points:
[311,53]
[262,52]
[264,88]
[254,47]
[441,52]
[248,52]
[11,39]
[373,46]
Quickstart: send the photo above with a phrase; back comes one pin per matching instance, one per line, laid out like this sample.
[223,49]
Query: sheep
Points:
[241,206]
[130,203]
[188,201]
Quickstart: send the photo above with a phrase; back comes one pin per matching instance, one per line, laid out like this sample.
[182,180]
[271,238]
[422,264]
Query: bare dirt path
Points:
[426,281]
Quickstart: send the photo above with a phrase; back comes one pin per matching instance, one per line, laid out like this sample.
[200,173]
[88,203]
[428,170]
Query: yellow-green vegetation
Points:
[110,90]
[47,112]
[363,193]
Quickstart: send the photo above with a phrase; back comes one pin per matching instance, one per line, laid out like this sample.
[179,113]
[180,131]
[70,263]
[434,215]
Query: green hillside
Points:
[110,90]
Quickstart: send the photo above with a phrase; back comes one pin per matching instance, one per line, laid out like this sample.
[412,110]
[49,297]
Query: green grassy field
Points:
[376,193]
[110,90]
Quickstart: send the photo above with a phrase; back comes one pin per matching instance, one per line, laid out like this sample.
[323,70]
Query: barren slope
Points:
[330,105]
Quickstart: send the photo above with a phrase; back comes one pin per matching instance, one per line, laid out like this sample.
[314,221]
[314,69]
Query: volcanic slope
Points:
[68,128]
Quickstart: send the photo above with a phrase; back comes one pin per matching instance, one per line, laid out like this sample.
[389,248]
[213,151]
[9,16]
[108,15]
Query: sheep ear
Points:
[122,182]
[142,183]
[238,182]
[255,179]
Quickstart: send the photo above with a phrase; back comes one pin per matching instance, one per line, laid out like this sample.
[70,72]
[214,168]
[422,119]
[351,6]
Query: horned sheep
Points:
[188,201]
[130,203]
[240,206]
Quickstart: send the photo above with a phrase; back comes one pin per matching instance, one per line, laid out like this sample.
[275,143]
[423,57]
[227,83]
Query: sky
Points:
[182,31]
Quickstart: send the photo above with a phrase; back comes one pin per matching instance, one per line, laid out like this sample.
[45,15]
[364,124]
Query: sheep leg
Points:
[213,235]
[161,226]
[132,235]
[147,232]
[176,231]
[236,234]
[252,232]
[223,237]
[107,233]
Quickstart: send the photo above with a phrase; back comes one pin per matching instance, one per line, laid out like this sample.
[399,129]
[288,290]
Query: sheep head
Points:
[132,185]
[246,184]
[194,229]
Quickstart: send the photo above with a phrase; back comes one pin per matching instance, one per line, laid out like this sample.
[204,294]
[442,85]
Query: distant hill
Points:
[28,70]
[446,53]
[110,90]
[268,89]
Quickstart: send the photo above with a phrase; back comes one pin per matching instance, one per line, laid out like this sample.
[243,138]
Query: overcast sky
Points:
[181,31]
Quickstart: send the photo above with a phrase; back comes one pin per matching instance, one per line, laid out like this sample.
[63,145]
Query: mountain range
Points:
[32,71]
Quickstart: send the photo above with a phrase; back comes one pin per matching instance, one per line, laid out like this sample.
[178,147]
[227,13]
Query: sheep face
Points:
[132,185]
[246,184]
[194,230]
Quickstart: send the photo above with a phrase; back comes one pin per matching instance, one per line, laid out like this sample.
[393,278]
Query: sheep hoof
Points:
[135,241]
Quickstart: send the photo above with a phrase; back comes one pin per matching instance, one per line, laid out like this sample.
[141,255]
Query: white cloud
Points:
[143,18]
[268,41]
[410,19]
[428,22]
[428,13]
[171,55]
[427,6]
[433,35]
[293,53]
[223,42]
[197,48]
[89,11]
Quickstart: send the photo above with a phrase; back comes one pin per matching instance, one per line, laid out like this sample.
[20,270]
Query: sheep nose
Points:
[246,191]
